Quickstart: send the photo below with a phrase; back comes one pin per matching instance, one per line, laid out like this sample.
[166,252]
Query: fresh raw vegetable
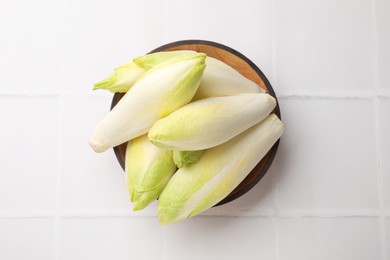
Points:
[199,186]
[148,170]
[183,109]
[210,122]
[157,93]
[183,158]
[219,79]
[122,79]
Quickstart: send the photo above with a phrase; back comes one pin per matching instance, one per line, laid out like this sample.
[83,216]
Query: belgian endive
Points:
[148,170]
[219,79]
[122,79]
[199,186]
[157,93]
[125,75]
[209,122]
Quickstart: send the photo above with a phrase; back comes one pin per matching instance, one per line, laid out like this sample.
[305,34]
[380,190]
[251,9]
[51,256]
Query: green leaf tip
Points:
[183,158]
[152,59]
[148,169]
[122,79]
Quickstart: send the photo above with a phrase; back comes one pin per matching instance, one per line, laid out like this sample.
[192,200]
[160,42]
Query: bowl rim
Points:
[272,152]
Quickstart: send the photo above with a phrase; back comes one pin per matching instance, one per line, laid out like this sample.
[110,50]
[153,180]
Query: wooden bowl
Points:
[248,69]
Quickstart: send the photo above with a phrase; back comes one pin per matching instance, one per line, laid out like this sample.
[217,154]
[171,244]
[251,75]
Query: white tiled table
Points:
[327,195]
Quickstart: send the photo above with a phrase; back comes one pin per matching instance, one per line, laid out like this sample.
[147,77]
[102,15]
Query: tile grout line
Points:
[332,96]
[275,195]
[276,214]
[273,44]
[164,244]
[66,94]
[275,223]
[380,178]
[57,212]
[283,96]
[29,95]
[374,47]
[107,213]
[377,127]
[164,35]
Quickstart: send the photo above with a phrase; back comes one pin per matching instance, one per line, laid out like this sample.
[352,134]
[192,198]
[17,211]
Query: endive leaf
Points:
[199,186]
[148,170]
[183,158]
[148,61]
[209,122]
[122,79]
[158,92]
[219,79]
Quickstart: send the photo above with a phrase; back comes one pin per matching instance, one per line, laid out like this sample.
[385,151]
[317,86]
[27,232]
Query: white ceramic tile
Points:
[89,180]
[29,46]
[98,36]
[383,43]
[111,238]
[384,113]
[26,239]
[28,152]
[323,47]
[210,238]
[327,156]
[257,201]
[243,25]
[332,238]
